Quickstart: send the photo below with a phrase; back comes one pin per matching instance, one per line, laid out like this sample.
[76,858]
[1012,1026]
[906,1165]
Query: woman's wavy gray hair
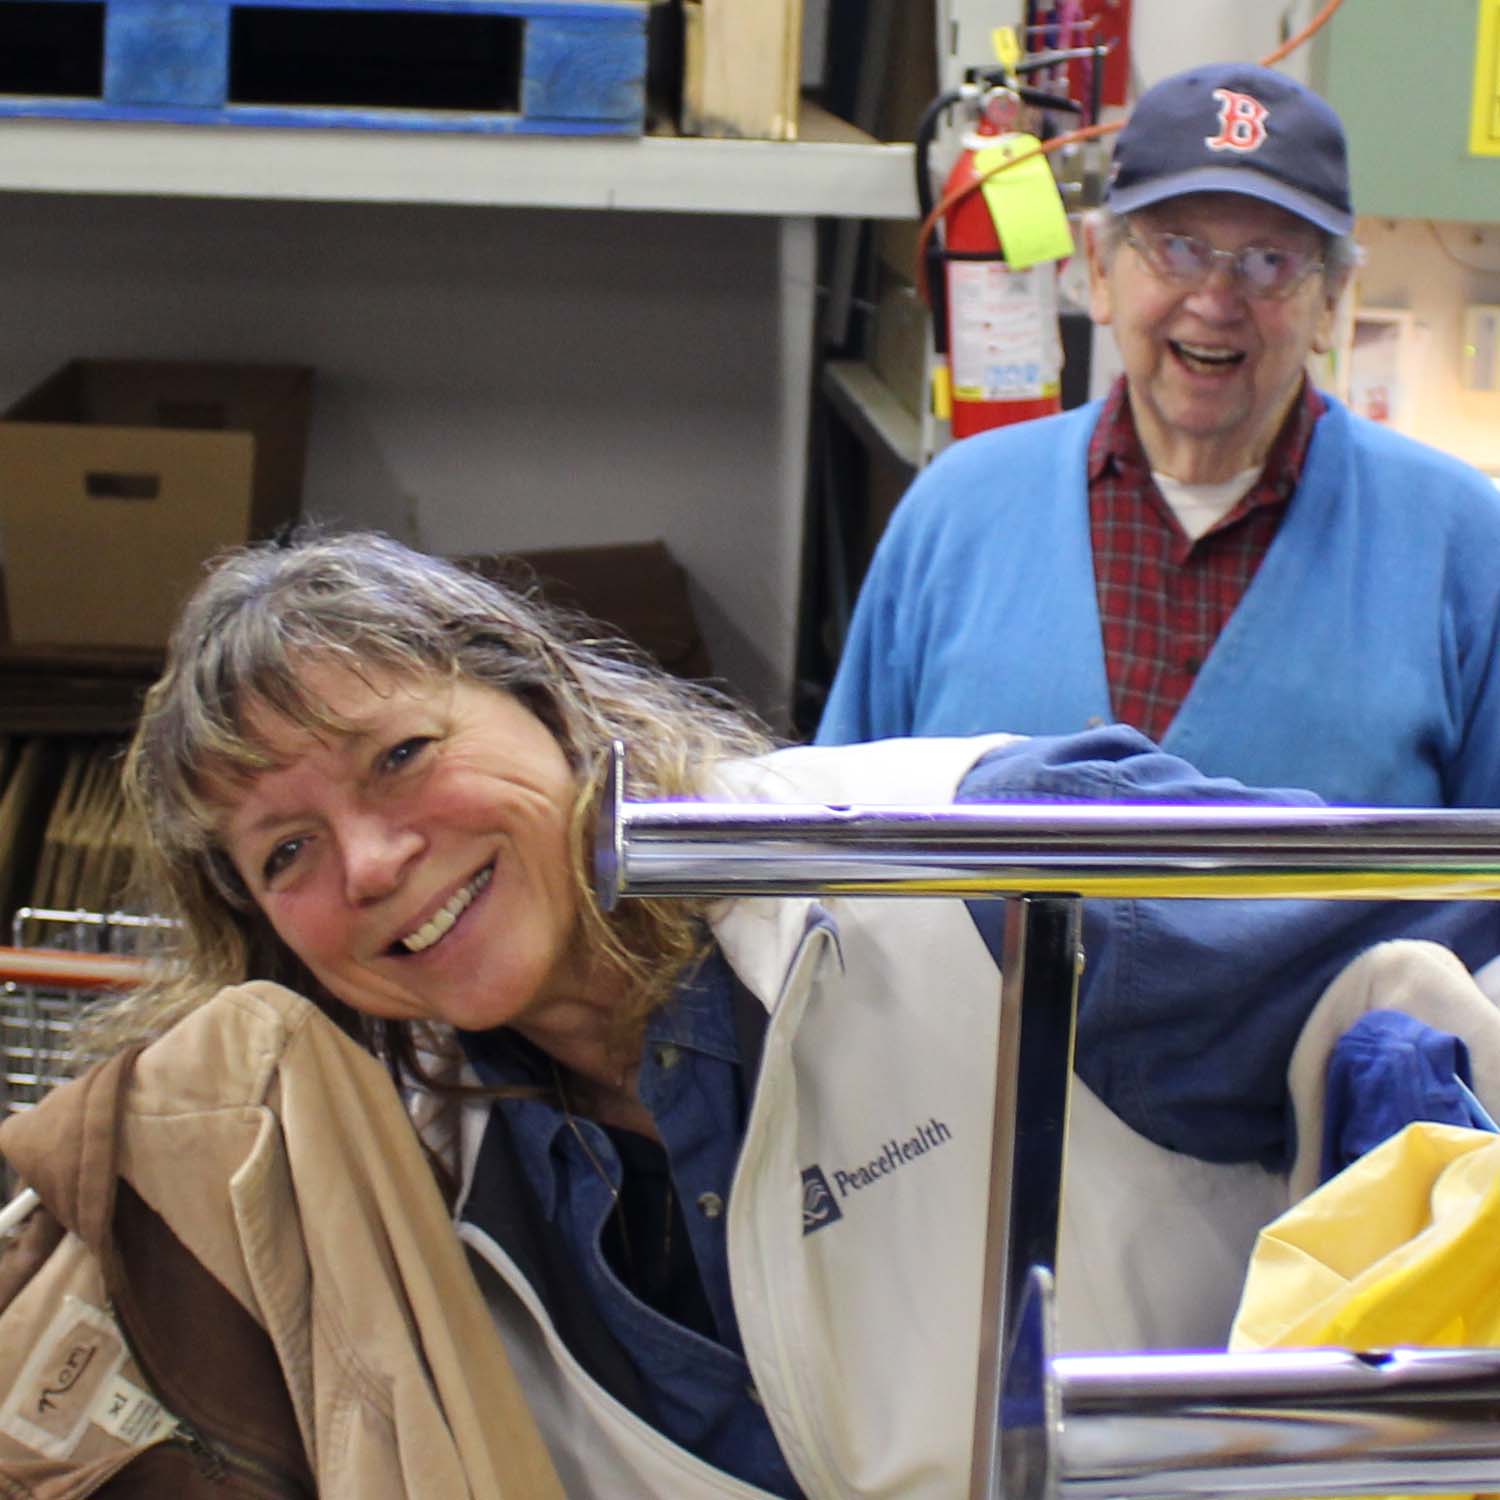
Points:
[367,602]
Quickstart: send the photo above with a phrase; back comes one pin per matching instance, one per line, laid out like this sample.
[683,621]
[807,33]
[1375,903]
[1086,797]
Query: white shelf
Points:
[873,410]
[833,171]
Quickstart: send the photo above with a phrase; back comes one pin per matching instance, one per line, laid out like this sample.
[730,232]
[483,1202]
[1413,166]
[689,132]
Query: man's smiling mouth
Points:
[1205,357]
[441,921]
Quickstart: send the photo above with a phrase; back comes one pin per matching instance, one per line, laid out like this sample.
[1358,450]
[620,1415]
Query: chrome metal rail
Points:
[1107,849]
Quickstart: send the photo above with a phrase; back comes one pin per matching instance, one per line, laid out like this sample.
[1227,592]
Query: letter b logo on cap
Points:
[1242,122]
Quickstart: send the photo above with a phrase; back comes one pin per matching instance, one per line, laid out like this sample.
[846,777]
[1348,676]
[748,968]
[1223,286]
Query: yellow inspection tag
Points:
[1024,202]
[1007,48]
[1484,108]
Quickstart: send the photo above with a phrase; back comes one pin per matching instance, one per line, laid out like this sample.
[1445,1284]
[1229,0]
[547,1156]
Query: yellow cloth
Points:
[1402,1247]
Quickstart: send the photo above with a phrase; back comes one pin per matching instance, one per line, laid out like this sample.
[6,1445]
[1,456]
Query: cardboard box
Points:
[638,590]
[120,478]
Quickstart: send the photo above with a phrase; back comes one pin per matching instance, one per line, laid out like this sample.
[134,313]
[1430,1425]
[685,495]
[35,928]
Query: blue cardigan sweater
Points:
[1363,661]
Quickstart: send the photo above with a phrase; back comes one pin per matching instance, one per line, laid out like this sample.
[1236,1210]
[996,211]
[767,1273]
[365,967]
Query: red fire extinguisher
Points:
[995,329]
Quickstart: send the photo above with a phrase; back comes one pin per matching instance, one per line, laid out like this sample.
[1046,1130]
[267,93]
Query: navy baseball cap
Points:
[1234,128]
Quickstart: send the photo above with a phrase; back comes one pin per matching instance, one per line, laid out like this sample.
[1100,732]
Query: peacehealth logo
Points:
[820,1198]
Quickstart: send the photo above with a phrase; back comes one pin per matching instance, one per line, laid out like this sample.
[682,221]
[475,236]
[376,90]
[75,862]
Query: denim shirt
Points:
[699,1391]
[1188,1010]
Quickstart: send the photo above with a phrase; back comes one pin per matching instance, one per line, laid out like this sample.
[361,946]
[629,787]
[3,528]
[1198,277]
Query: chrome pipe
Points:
[1303,1423]
[1105,849]
[1028,1141]
[1259,1426]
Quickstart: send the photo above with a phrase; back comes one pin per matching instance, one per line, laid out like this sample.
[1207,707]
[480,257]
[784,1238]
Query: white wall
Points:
[1169,35]
[487,379]
[1433,271]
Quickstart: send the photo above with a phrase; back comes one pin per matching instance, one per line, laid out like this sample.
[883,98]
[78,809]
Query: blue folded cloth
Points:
[1387,1071]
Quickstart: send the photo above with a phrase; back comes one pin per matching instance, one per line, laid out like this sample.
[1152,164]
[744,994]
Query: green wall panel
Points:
[1401,74]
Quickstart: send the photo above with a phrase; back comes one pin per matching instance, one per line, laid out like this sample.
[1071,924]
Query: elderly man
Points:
[1218,554]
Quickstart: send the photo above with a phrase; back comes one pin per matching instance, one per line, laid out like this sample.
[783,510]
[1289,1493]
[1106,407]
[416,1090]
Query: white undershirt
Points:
[1200,507]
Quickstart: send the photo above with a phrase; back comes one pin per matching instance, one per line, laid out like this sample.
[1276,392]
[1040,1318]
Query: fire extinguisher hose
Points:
[930,275]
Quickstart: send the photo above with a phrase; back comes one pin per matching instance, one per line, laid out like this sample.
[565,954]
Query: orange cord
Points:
[1291,44]
[1087,133]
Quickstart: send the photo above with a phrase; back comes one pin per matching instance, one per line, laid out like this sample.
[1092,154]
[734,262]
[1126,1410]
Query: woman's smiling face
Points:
[417,863]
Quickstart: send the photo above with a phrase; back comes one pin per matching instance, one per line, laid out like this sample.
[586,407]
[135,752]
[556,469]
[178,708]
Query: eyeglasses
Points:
[1265,271]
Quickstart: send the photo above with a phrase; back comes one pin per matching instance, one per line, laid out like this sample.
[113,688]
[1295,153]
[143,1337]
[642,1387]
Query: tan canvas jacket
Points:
[244,1281]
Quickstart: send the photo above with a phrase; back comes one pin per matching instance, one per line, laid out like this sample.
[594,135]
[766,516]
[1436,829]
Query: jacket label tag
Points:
[75,1379]
[75,1359]
[131,1415]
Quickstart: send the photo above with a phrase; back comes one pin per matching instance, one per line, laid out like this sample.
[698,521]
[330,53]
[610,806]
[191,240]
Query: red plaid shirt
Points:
[1163,599]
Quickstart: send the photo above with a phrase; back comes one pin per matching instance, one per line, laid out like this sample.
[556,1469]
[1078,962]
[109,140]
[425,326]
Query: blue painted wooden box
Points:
[557,67]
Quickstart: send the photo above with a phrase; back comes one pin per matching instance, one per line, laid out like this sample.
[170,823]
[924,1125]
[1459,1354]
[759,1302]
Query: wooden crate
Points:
[559,67]
[742,68]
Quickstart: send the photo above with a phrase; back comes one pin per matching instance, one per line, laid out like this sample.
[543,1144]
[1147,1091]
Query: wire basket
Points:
[42,993]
